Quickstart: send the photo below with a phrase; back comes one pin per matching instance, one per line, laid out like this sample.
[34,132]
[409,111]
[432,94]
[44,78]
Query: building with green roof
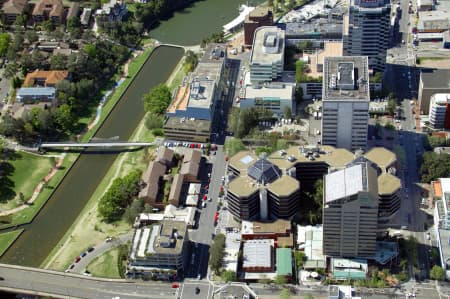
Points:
[284,261]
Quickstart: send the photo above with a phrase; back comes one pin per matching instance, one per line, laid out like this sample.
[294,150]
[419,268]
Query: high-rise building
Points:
[267,58]
[366,31]
[350,212]
[345,95]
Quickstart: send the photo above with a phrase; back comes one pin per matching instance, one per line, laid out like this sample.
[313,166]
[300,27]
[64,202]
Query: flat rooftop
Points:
[258,253]
[199,125]
[388,184]
[243,186]
[277,91]
[242,160]
[335,157]
[438,78]
[345,182]
[330,49]
[279,226]
[268,45]
[214,53]
[433,20]
[381,156]
[284,186]
[346,78]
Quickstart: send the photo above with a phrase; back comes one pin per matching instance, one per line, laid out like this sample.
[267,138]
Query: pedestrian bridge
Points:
[94,144]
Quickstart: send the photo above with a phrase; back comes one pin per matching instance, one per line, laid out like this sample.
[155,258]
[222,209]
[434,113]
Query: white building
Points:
[366,31]
[267,57]
[273,97]
[442,224]
[438,110]
[345,96]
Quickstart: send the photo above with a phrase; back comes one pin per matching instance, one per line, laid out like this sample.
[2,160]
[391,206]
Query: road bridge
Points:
[33,281]
[94,144]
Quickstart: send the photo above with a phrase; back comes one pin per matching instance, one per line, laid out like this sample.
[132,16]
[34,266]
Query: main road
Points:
[51,283]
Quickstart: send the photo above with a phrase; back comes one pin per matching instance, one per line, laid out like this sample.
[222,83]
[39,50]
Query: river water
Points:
[191,25]
[187,27]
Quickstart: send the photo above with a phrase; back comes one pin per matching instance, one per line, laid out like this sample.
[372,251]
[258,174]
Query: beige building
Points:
[13,8]
[350,212]
[48,10]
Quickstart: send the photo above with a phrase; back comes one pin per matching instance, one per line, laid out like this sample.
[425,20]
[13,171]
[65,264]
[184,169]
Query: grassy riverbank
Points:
[106,265]
[88,228]
[6,239]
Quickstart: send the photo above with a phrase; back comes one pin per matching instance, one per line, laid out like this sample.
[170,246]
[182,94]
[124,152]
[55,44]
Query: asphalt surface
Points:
[64,285]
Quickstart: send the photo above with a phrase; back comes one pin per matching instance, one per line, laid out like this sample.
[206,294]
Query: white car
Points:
[204,204]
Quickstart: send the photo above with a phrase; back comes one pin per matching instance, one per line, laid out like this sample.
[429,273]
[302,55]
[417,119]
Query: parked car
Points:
[77,259]
[204,204]
[83,254]
[197,290]
[90,249]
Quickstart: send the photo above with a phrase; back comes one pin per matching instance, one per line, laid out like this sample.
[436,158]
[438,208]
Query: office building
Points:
[439,115]
[261,191]
[350,212]
[389,192]
[430,83]
[442,221]
[260,16]
[267,57]
[275,97]
[366,31]
[345,96]
[193,107]
[161,250]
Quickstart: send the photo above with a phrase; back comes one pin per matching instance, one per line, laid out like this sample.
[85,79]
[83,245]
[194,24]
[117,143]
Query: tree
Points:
[5,40]
[190,61]
[434,166]
[48,26]
[437,273]
[157,100]
[228,276]
[64,118]
[436,141]
[287,111]
[300,259]
[391,106]
[233,146]
[285,293]
[318,194]
[31,36]
[147,208]
[304,45]
[121,192]
[280,279]
[58,62]
[21,20]
[11,70]
[153,121]
[216,252]
[136,207]
[309,296]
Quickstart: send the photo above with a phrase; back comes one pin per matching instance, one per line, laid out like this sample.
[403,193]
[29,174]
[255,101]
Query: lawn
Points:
[6,239]
[26,215]
[29,170]
[105,265]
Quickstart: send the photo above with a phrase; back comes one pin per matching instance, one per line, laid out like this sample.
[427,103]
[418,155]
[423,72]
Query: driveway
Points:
[80,267]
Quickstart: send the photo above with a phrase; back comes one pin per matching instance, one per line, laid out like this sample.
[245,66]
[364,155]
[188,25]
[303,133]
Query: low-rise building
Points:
[349,269]
[30,95]
[86,16]
[310,241]
[48,10]
[438,114]
[171,212]
[435,21]
[284,262]
[191,165]
[258,256]
[278,230]
[13,8]
[260,16]
[275,97]
[161,250]
[74,9]
[45,78]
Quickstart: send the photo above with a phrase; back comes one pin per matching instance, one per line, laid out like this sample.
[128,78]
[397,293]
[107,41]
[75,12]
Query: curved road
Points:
[80,267]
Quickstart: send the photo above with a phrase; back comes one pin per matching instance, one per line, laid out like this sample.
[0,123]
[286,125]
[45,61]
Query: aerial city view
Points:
[225,149]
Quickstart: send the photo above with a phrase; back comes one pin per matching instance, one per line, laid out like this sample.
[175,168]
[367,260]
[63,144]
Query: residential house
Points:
[48,10]
[191,165]
[12,8]
[73,11]
[45,78]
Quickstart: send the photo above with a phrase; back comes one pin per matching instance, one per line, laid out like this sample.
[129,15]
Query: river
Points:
[187,27]
[191,25]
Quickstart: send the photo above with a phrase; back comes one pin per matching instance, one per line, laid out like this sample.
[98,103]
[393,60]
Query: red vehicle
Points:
[221,188]
[77,259]
[191,145]
[216,216]
[205,197]
[213,147]
[226,158]
[206,187]
[175,285]
[199,145]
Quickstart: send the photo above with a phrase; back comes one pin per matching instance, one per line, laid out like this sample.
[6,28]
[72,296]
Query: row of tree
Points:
[216,253]
[119,196]
[434,166]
